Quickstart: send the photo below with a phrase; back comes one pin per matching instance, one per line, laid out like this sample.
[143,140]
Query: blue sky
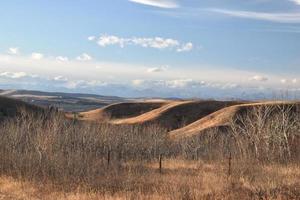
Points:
[151,47]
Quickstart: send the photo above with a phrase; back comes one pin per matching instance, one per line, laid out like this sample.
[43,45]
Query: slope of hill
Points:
[177,113]
[220,118]
[10,107]
[120,110]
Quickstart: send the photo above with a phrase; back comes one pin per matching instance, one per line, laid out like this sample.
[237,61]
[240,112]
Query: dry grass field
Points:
[180,179]
[44,155]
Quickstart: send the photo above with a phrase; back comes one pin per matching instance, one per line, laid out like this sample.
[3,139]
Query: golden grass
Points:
[119,111]
[168,114]
[180,180]
[49,157]
[151,115]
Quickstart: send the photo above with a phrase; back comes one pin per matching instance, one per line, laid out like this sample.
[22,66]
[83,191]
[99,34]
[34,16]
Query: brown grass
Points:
[45,156]
[181,179]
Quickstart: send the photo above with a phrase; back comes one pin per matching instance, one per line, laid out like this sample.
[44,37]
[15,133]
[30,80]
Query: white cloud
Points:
[13,50]
[179,83]
[158,3]
[81,84]
[60,78]
[186,47]
[296,1]
[187,79]
[37,56]
[157,69]
[106,40]
[272,17]
[286,81]
[72,84]
[137,82]
[94,83]
[84,57]
[283,81]
[91,38]
[230,86]
[156,42]
[171,83]
[258,78]
[13,75]
[62,58]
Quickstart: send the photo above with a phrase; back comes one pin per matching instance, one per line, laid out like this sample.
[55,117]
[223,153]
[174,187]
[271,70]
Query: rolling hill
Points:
[176,114]
[120,111]
[220,118]
[11,107]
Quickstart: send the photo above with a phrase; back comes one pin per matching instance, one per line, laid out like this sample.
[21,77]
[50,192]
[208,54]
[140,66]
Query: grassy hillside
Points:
[119,111]
[11,107]
[224,117]
[177,114]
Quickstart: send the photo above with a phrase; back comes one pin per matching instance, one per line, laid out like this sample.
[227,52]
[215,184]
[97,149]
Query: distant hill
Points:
[69,102]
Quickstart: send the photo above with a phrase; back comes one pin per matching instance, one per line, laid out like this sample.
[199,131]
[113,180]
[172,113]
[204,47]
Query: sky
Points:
[154,48]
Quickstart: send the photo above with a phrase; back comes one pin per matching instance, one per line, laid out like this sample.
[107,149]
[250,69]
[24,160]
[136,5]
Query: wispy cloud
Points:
[37,56]
[157,69]
[158,3]
[185,47]
[84,57]
[13,50]
[265,16]
[145,42]
[289,81]
[137,82]
[17,75]
[258,78]
[91,38]
[284,29]
[283,81]
[62,58]
[126,78]
[60,78]
[13,75]
[296,1]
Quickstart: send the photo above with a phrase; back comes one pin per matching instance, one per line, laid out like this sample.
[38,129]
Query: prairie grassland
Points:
[180,179]
[49,157]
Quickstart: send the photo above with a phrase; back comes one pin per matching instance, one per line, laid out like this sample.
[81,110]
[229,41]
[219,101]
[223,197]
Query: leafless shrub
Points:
[268,133]
[50,147]
[46,147]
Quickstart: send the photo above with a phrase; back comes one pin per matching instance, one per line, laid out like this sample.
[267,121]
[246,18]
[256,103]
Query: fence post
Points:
[229,164]
[108,157]
[160,163]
